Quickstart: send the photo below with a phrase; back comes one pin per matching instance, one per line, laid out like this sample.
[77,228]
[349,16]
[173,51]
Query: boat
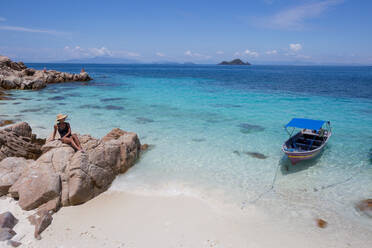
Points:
[309,141]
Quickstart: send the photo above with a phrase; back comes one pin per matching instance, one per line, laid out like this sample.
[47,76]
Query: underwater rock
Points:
[111,99]
[236,152]
[199,140]
[247,128]
[56,98]
[143,120]
[256,155]
[365,206]
[113,107]
[90,106]
[221,105]
[30,110]
[321,223]
[147,147]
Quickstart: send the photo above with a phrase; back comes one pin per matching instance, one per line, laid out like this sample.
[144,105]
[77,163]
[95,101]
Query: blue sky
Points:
[261,31]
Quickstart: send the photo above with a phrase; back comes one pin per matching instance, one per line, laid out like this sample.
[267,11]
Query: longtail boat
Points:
[309,141]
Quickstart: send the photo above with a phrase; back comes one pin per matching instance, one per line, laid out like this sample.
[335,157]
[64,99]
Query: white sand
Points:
[116,219]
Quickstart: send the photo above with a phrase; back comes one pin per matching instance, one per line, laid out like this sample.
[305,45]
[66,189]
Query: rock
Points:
[144,147]
[13,243]
[7,220]
[21,129]
[15,75]
[247,128]
[29,72]
[4,61]
[365,206]
[51,206]
[61,176]
[6,234]
[8,83]
[6,122]
[321,223]
[37,185]
[10,170]
[84,76]
[256,155]
[113,134]
[41,221]
[38,84]
[17,141]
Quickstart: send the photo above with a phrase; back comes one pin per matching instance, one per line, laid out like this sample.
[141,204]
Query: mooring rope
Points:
[271,187]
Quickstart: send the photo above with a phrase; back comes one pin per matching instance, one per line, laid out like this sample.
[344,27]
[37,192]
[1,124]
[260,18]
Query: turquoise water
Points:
[202,120]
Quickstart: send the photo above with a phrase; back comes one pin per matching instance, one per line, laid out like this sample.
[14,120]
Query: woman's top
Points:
[63,131]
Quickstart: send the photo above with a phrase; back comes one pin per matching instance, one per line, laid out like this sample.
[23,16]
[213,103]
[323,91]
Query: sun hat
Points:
[61,116]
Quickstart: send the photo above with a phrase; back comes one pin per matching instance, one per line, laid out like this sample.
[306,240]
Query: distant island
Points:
[234,62]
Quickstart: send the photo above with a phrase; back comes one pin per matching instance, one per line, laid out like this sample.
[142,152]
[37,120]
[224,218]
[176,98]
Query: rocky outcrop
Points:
[15,75]
[71,178]
[62,177]
[18,141]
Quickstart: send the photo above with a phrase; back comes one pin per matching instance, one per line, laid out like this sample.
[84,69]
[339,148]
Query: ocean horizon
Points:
[205,125]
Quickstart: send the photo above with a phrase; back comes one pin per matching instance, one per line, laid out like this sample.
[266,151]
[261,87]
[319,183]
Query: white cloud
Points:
[295,17]
[196,55]
[160,54]
[251,53]
[295,47]
[2,19]
[272,52]
[103,51]
[219,52]
[32,30]
[79,52]
[236,54]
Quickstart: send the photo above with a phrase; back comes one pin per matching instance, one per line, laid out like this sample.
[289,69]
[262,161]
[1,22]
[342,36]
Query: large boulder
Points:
[18,141]
[72,178]
[38,184]
[10,170]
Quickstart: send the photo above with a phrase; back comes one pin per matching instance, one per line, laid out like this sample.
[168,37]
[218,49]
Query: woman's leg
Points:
[71,142]
[76,140]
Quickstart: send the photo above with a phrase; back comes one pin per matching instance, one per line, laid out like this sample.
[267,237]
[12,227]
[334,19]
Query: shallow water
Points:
[219,130]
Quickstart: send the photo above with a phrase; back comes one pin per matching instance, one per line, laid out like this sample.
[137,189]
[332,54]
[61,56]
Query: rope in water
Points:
[271,187]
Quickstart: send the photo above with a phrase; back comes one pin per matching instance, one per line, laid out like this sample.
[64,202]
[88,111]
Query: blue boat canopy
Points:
[306,123]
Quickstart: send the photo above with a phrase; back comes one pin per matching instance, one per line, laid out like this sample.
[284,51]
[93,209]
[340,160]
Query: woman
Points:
[64,131]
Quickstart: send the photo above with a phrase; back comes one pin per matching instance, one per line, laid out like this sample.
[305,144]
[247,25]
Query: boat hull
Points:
[296,157]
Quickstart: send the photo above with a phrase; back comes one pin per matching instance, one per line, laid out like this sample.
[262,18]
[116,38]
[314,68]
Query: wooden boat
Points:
[307,143]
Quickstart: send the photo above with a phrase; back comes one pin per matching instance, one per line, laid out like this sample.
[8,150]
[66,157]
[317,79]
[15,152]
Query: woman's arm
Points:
[54,132]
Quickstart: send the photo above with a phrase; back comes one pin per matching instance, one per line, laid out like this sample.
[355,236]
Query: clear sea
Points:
[202,123]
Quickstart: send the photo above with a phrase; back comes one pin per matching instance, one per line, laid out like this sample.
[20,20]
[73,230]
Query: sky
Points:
[258,31]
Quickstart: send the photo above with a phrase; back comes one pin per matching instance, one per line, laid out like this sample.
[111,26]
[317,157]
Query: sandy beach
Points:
[121,219]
